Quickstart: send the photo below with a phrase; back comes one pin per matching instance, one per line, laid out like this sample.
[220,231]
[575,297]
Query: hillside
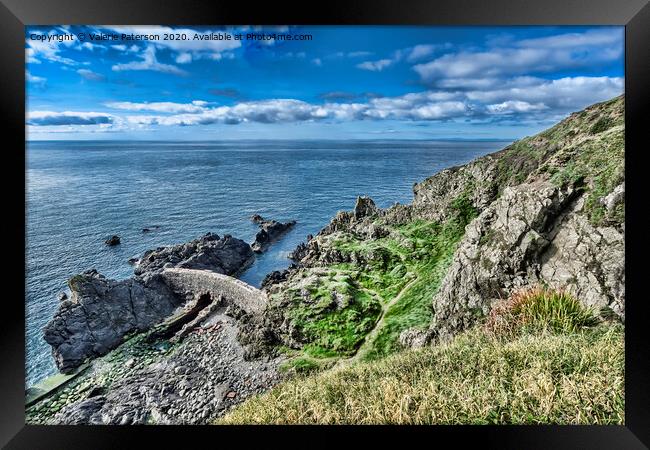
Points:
[547,210]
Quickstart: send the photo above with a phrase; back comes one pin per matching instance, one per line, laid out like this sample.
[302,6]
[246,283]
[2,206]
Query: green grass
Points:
[599,165]
[416,255]
[539,309]
[411,262]
[332,328]
[478,378]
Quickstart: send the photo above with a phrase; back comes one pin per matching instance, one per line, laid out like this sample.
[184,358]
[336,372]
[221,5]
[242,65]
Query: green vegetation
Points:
[562,370]
[599,165]
[540,357]
[586,150]
[540,309]
[335,315]
[389,292]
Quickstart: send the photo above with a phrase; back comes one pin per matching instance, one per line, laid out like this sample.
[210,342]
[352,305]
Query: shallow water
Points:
[79,193]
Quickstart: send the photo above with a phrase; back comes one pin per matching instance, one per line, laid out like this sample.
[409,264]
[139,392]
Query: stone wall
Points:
[187,282]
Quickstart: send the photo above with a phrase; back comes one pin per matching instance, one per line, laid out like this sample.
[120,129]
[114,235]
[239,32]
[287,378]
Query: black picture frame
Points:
[15,14]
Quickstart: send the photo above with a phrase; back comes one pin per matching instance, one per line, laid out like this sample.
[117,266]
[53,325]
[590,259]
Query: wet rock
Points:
[274,277]
[113,240]
[62,296]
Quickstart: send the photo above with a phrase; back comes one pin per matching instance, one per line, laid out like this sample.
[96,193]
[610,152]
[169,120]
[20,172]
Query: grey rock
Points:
[226,255]
[532,234]
[100,312]
[270,231]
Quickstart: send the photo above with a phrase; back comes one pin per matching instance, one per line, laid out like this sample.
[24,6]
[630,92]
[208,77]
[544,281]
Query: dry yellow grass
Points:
[477,378]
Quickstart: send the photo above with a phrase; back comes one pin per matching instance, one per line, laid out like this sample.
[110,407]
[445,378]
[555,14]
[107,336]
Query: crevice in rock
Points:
[169,329]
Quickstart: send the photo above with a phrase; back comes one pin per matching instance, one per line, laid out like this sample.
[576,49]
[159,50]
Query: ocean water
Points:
[78,193]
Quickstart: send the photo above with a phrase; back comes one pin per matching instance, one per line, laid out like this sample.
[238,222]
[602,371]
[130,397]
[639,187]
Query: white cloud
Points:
[515,106]
[90,75]
[590,38]
[529,56]
[34,79]
[421,51]
[191,45]
[184,58]
[149,62]
[375,66]
[43,50]
[163,107]
[317,61]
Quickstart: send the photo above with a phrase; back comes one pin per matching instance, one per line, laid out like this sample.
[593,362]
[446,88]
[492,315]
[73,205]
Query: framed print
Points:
[411,217]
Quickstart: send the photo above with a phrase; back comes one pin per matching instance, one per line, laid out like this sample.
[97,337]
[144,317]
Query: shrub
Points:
[539,309]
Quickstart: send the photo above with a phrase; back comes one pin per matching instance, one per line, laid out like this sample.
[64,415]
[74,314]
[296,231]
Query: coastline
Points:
[504,220]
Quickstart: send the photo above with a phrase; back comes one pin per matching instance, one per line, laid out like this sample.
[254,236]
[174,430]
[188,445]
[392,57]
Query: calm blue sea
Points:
[78,193]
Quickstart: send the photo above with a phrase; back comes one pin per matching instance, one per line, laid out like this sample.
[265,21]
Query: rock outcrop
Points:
[101,312]
[533,234]
[226,255]
[270,230]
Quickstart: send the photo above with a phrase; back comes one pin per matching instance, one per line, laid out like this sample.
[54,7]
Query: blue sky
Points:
[344,82]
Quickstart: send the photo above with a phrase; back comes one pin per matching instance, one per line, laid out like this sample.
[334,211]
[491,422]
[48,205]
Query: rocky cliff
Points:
[548,209]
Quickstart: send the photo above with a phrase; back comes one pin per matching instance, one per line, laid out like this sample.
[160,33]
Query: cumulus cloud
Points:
[515,106]
[162,107]
[589,38]
[184,58]
[90,75]
[149,62]
[532,98]
[51,118]
[180,45]
[37,50]
[421,51]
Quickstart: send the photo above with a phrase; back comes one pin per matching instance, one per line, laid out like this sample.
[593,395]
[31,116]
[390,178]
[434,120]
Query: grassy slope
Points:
[477,379]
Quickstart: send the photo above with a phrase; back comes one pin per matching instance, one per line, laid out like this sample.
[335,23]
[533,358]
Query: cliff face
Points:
[548,209]
[563,226]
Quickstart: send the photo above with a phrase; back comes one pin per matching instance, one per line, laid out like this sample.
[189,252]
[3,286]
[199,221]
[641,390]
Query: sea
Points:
[80,192]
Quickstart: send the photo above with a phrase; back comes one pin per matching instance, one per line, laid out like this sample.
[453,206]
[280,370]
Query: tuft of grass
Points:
[539,309]
[477,378]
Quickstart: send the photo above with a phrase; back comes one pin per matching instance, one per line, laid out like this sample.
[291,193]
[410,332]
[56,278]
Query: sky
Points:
[314,82]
